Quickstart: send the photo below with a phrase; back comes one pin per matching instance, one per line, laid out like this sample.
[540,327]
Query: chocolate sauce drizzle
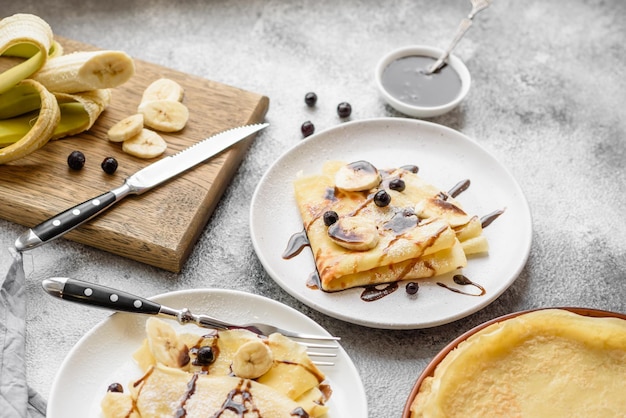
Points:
[296,244]
[486,220]
[463,281]
[372,293]
[181,412]
[459,188]
[239,407]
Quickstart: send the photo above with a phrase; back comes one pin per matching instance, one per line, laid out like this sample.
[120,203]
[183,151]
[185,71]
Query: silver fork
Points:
[93,294]
[477,6]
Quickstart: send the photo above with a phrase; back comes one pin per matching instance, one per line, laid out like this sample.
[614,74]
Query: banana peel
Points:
[43,125]
[24,36]
[80,111]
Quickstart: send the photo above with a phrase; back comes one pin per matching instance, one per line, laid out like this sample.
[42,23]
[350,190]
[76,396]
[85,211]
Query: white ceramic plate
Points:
[103,355]
[445,157]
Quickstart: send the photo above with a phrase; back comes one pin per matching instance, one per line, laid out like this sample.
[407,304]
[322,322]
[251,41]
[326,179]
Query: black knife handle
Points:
[71,218]
[66,221]
[93,294]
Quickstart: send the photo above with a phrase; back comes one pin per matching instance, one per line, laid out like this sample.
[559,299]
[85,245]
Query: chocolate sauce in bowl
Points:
[406,80]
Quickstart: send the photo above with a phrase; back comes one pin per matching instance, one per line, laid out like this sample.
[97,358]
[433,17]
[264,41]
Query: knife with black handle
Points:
[140,182]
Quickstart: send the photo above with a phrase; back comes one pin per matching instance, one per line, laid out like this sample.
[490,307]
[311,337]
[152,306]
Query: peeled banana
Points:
[85,71]
[40,132]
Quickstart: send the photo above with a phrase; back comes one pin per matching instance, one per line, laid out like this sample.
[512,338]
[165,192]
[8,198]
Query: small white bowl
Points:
[422,111]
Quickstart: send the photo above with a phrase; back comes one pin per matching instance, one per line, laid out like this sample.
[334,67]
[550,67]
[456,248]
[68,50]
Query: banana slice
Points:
[126,128]
[356,233]
[164,115]
[147,144]
[164,344]
[163,89]
[357,176]
[252,359]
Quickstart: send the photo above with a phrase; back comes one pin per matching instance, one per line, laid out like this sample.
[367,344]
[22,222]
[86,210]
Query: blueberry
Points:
[382,198]
[307,128]
[109,165]
[310,99]
[115,387]
[411,288]
[205,355]
[330,217]
[344,109]
[76,160]
[397,185]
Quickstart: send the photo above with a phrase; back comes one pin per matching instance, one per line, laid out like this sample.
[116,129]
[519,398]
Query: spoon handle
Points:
[463,27]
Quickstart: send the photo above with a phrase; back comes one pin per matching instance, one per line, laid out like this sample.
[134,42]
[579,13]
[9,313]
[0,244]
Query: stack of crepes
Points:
[547,363]
[422,232]
[46,94]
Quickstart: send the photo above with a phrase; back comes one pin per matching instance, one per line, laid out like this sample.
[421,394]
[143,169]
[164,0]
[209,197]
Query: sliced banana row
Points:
[160,110]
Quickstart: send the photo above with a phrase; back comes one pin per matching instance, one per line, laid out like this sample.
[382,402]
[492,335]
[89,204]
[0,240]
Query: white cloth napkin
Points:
[17,399]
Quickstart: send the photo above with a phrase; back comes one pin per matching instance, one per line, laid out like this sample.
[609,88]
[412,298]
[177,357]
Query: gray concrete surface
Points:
[548,100]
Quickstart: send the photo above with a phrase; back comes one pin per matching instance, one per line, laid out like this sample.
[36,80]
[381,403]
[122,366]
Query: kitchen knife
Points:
[140,182]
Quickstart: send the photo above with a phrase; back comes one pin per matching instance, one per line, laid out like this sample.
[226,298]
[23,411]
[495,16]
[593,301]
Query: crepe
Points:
[547,363]
[171,392]
[422,232]
[178,377]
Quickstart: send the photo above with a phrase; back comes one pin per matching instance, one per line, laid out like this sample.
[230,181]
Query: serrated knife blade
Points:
[138,183]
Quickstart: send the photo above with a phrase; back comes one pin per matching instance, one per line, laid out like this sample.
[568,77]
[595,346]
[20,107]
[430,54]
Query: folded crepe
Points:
[422,232]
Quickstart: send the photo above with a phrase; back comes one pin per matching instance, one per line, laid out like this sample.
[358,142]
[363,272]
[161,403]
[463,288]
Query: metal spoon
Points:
[477,6]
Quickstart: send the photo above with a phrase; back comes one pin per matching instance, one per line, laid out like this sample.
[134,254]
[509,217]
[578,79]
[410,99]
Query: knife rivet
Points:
[56,222]
[113,298]
[95,202]
[137,304]
[88,292]
[76,212]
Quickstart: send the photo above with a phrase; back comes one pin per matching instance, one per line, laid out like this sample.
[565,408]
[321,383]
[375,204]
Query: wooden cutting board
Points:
[160,226]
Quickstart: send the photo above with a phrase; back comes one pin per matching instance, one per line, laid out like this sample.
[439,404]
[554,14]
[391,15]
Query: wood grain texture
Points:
[160,226]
